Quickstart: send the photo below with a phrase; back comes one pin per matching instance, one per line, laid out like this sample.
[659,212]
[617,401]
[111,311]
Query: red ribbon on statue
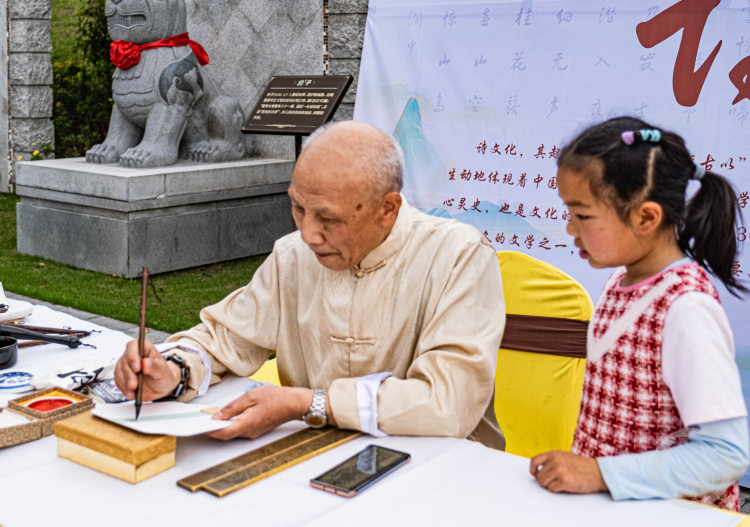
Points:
[124,54]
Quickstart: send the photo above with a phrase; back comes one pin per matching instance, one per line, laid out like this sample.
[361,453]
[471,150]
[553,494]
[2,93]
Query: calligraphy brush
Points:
[19,332]
[141,341]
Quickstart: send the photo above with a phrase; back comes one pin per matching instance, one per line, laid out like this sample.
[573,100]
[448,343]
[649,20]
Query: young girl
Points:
[662,412]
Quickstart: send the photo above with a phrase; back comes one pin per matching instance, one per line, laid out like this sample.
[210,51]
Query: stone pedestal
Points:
[116,220]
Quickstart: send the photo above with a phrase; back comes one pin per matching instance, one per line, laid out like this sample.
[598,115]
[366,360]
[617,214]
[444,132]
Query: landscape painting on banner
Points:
[482,96]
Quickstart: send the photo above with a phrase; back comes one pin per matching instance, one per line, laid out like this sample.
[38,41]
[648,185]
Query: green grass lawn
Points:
[182,293]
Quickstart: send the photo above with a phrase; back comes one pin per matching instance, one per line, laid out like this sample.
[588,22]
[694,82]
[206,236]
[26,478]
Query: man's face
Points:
[336,216]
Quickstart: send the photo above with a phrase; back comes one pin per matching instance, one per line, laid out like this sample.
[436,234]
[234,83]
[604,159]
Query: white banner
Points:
[482,96]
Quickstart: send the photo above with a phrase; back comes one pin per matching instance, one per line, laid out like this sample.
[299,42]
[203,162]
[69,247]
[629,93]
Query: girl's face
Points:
[601,236]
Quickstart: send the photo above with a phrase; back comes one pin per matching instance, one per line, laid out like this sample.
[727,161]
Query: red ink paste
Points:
[47,405]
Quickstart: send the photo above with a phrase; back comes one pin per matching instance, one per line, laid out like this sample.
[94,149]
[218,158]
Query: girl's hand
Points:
[559,471]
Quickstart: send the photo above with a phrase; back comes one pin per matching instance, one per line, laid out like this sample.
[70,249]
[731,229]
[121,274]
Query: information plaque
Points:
[297,105]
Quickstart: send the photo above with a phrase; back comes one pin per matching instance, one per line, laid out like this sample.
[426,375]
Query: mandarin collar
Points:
[392,244]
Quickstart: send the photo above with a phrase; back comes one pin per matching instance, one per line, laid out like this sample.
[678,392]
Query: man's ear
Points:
[648,217]
[390,206]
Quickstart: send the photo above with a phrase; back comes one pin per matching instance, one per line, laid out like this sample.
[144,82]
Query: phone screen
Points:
[360,471]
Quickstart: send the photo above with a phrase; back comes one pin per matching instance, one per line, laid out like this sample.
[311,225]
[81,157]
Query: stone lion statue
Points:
[165,106]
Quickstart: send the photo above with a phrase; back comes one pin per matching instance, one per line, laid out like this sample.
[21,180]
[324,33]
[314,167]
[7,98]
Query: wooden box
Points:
[33,415]
[16,428]
[32,405]
[112,449]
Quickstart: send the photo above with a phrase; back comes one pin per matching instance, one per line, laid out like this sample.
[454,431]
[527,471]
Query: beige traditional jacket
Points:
[426,305]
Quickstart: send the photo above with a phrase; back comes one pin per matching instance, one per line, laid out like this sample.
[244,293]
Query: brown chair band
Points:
[552,335]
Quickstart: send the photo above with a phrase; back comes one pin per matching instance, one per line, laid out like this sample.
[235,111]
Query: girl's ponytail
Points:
[707,232]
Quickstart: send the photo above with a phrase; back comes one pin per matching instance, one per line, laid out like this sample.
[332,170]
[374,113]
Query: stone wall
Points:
[4,142]
[29,80]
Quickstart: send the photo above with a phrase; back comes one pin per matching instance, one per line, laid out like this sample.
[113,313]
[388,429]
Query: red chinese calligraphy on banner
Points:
[691,16]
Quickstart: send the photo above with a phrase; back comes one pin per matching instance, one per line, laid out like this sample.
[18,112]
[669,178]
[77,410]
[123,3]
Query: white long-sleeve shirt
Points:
[699,369]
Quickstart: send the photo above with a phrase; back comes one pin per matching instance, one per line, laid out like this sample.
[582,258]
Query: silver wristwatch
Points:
[316,416]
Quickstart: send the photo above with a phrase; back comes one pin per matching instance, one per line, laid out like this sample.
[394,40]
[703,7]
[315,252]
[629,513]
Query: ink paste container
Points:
[33,415]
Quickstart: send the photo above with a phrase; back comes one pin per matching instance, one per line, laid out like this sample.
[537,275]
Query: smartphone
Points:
[360,471]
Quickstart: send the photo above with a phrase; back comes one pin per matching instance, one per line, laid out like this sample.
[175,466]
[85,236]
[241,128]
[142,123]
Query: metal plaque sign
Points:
[297,104]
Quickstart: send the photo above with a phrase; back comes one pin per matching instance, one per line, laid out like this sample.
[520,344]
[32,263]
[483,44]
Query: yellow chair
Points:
[267,373]
[537,394]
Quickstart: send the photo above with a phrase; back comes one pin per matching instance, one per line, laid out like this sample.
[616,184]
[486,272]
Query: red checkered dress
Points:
[626,407]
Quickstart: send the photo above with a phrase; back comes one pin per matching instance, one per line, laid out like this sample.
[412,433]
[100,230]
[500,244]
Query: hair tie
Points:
[650,135]
[628,137]
[699,172]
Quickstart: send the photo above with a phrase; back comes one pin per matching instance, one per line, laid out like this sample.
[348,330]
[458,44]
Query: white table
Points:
[448,482]
[109,344]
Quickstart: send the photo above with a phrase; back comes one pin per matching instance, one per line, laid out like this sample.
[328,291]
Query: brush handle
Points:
[9,330]
[141,340]
[56,331]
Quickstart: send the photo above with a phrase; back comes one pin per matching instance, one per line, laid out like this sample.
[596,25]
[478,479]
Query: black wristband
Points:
[184,374]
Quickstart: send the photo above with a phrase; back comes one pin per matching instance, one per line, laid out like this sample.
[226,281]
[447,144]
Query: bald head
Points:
[345,192]
[374,161]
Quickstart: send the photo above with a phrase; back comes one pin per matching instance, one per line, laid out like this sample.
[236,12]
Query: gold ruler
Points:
[267,460]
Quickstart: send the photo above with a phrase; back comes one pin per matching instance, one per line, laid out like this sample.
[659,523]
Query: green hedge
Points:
[82,85]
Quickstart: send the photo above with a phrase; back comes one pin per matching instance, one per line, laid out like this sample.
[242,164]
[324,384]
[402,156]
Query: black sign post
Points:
[297,105]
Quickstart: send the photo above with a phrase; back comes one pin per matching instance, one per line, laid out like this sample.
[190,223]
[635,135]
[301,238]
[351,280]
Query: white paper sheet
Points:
[168,417]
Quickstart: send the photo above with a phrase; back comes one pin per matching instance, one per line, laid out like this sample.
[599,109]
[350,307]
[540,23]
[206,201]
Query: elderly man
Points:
[383,319]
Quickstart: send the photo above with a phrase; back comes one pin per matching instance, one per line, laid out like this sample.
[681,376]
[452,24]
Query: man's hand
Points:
[160,377]
[262,409]
[559,471]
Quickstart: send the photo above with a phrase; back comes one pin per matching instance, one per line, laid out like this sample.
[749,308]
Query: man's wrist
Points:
[198,363]
[177,377]
[329,412]
[304,401]
[316,416]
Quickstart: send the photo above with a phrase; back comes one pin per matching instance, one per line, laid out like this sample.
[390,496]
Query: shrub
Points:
[82,86]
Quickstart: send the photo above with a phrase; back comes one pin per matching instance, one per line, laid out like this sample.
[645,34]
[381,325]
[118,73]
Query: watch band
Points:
[184,374]
[316,416]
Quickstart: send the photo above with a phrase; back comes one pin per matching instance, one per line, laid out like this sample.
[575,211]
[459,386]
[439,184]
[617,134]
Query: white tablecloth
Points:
[46,358]
[448,482]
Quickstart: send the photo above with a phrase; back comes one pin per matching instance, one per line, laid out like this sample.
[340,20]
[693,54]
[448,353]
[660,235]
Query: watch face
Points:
[316,421]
